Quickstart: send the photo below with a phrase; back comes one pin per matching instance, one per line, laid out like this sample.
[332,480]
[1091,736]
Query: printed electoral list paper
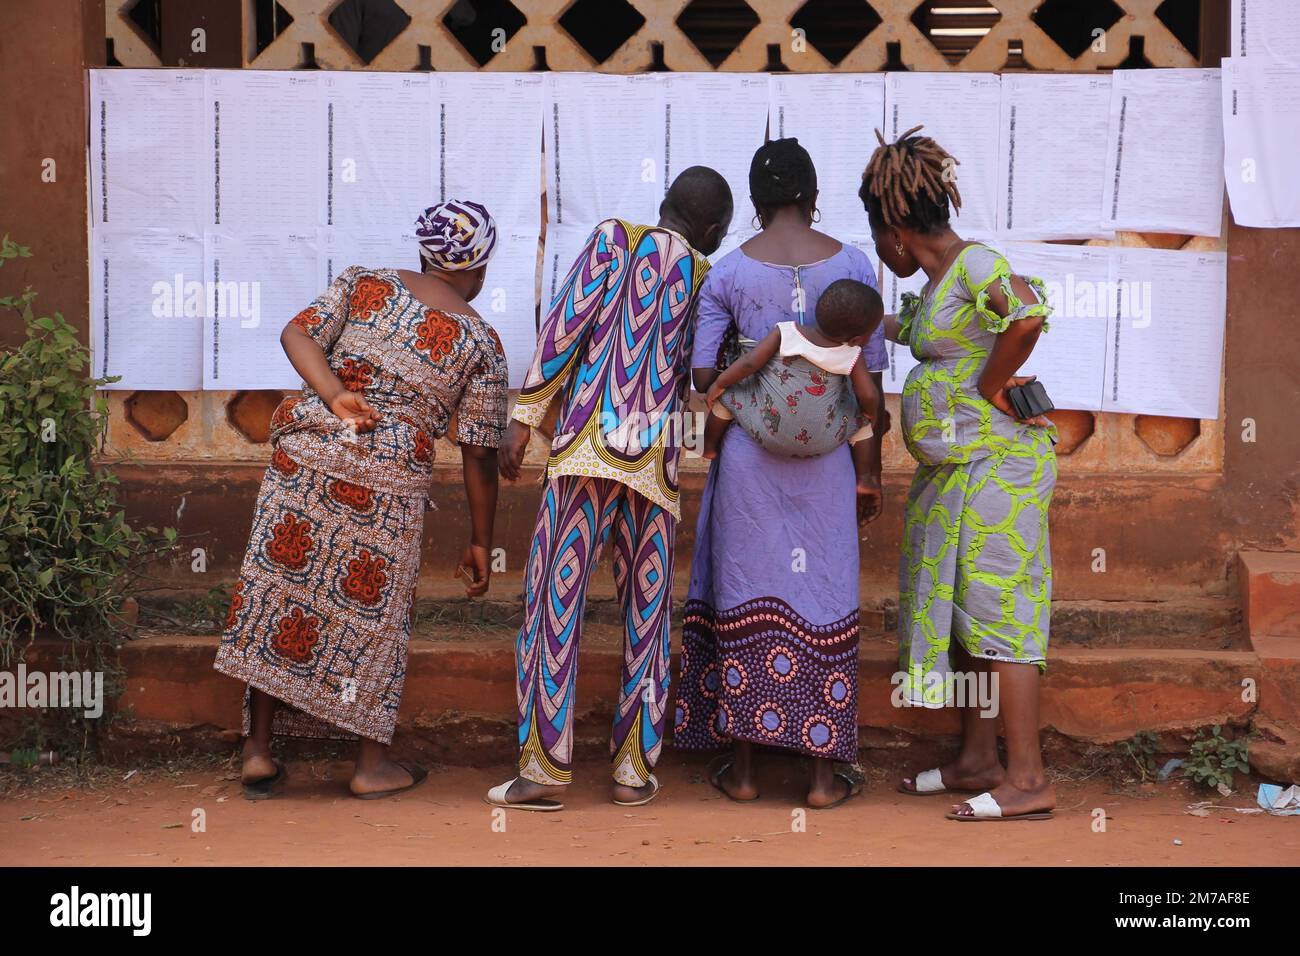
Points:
[488,140]
[1053,155]
[602,136]
[834,116]
[1164,169]
[1165,354]
[265,163]
[1261,132]
[1070,357]
[256,282]
[378,149]
[147,149]
[147,307]
[716,120]
[958,111]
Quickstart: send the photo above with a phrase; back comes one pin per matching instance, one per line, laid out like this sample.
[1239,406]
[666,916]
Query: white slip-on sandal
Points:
[928,783]
[987,811]
[497,798]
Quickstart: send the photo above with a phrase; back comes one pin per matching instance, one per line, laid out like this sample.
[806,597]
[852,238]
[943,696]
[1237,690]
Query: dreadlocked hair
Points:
[907,183]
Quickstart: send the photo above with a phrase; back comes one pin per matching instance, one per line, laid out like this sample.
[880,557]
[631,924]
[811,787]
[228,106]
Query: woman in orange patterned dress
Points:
[319,626]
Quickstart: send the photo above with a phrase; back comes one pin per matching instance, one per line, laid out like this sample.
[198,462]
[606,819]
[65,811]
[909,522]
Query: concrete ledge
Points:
[459,701]
[1270,592]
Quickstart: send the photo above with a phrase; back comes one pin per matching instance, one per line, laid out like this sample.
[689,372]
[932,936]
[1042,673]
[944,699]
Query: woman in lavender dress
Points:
[770,643]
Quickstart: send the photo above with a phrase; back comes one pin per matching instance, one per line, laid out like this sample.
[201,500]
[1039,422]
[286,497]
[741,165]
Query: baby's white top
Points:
[837,359]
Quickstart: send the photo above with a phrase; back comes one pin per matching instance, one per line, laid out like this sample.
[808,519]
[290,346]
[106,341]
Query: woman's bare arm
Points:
[479,466]
[309,361]
[1011,348]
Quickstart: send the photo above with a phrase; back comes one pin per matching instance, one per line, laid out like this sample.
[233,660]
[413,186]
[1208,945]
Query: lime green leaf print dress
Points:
[976,563]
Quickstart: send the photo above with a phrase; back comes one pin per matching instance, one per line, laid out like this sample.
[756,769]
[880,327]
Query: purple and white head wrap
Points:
[456,235]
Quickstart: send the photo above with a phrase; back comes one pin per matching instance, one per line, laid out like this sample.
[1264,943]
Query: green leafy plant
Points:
[1214,758]
[1140,750]
[68,558]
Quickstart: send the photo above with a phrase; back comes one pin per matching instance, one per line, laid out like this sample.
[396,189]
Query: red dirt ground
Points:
[146,820]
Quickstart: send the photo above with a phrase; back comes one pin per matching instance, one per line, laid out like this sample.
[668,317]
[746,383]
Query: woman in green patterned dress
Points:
[975,575]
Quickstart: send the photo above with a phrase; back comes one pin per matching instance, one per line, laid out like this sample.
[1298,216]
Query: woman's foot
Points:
[381,777]
[526,791]
[258,764]
[734,776]
[635,796]
[830,786]
[959,775]
[1034,797]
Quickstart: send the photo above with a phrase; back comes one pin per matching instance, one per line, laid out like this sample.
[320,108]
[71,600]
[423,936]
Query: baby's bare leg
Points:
[714,429]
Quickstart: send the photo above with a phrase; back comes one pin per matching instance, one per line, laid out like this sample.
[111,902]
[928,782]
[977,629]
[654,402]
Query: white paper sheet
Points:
[1266,28]
[378,149]
[339,248]
[561,250]
[834,116]
[509,300]
[716,120]
[901,361]
[266,163]
[1053,155]
[1261,131]
[146,308]
[147,149]
[1070,358]
[959,111]
[603,138]
[257,283]
[488,135]
[1164,150]
[1165,349]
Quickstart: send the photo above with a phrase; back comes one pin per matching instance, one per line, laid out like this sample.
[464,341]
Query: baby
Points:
[804,389]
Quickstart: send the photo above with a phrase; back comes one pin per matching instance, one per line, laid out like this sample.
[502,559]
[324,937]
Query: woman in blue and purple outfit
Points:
[770,643]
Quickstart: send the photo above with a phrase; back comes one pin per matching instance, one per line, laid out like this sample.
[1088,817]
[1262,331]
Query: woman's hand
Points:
[353,407]
[1002,403]
[871,499]
[713,394]
[510,456]
[475,569]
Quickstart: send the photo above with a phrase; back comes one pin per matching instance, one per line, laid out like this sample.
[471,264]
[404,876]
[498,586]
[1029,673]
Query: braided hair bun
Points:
[781,174]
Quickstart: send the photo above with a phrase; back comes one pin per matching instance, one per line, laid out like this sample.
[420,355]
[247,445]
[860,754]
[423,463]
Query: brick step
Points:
[1206,623]
[459,701]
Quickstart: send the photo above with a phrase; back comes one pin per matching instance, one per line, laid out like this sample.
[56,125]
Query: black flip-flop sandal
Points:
[417,773]
[717,767]
[264,789]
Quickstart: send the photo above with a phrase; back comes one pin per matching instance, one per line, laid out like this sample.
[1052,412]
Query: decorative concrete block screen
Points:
[631,36]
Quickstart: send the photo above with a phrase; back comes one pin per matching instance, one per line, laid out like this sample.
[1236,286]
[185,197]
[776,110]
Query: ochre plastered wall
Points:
[1171,500]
